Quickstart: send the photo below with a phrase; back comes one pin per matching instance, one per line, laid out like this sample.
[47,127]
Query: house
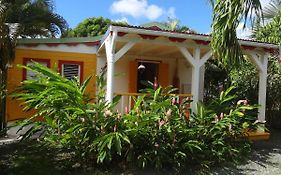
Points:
[125,50]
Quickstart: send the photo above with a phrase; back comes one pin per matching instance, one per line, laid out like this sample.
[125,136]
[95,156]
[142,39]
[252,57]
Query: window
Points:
[71,69]
[27,74]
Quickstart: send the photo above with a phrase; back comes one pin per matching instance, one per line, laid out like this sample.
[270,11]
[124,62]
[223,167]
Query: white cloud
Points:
[243,33]
[137,9]
[123,19]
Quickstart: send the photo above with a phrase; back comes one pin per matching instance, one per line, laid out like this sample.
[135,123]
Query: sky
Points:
[196,14]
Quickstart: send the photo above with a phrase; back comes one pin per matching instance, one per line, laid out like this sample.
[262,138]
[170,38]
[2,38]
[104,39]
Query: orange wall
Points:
[15,75]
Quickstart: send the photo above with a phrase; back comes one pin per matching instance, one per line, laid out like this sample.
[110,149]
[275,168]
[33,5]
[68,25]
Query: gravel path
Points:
[265,159]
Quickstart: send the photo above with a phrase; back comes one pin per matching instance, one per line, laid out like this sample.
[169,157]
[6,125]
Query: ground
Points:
[265,159]
[31,158]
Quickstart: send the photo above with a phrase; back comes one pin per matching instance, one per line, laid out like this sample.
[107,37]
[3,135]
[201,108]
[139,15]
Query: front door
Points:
[147,71]
[152,70]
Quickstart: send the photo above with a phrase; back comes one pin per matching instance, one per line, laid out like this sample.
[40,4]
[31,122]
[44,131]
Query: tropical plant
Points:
[157,132]
[270,30]
[174,25]
[227,14]
[25,18]
[94,26]
[35,18]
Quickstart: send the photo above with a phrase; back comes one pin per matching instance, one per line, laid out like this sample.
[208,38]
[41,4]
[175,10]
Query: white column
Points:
[262,88]
[261,60]
[109,80]
[110,54]
[198,70]
[201,85]
[195,86]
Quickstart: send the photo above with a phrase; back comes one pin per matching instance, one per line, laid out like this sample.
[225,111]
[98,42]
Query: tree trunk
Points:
[3,80]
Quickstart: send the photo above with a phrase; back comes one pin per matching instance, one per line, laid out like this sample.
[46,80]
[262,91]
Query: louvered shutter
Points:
[70,71]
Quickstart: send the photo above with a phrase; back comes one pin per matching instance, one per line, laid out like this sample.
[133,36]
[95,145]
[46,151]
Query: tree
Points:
[90,27]
[227,14]
[25,18]
[174,25]
[270,32]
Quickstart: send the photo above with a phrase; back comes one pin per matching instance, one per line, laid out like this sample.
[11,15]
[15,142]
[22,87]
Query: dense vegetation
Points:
[246,76]
[156,133]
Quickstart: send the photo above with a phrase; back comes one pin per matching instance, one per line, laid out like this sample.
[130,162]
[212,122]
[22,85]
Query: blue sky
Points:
[196,14]
[193,13]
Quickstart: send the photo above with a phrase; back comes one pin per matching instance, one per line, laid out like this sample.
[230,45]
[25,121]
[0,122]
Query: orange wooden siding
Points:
[133,76]
[15,74]
[163,75]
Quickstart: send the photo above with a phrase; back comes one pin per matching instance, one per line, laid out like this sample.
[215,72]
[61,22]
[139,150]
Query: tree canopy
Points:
[93,26]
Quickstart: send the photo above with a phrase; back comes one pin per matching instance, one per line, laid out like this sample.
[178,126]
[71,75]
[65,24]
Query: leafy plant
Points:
[157,133]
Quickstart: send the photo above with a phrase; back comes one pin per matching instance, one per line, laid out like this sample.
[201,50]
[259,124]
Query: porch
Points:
[180,59]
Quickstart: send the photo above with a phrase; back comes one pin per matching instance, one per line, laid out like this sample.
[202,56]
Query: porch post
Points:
[110,54]
[195,86]
[198,69]
[261,60]
[262,87]
[202,80]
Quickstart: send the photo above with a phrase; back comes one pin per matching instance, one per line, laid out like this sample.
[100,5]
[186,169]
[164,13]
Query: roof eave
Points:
[187,36]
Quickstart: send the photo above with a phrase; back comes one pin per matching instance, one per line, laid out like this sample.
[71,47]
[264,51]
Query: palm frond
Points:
[272,9]
[227,16]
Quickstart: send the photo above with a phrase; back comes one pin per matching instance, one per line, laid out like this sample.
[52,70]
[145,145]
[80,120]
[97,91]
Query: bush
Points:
[156,133]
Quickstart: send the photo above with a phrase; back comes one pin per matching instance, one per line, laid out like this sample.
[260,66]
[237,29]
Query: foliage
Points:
[174,25]
[226,17]
[34,18]
[216,78]
[94,26]
[158,132]
[269,32]
[24,18]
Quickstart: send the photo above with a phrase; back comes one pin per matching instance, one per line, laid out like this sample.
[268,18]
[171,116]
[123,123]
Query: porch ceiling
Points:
[146,49]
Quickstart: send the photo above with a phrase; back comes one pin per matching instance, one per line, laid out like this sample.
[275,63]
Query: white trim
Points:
[187,55]
[123,50]
[80,48]
[206,57]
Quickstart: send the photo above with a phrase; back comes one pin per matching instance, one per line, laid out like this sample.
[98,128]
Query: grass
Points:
[33,158]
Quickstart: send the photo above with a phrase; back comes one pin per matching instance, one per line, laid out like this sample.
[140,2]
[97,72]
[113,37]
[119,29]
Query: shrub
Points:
[156,133]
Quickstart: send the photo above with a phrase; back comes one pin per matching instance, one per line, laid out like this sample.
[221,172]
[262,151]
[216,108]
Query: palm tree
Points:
[272,10]
[24,18]
[227,14]
[269,31]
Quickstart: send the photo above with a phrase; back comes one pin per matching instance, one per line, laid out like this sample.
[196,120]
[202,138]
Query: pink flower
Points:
[169,113]
[115,128]
[156,145]
[108,113]
[221,116]
[216,119]
[161,123]
[82,120]
[174,101]
[126,110]
[244,102]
